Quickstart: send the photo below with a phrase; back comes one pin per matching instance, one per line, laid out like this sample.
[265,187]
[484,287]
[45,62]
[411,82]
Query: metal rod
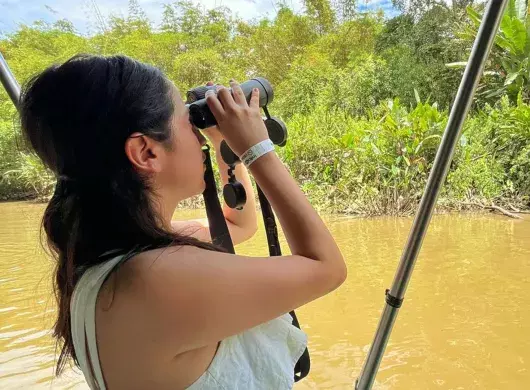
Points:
[9,82]
[464,98]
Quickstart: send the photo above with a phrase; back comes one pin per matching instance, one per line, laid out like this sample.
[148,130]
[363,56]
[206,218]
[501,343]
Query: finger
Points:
[225,97]
[209,84]
[254,98]
[214,104]
[237,92]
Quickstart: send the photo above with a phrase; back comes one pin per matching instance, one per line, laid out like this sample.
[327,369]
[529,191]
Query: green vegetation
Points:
[365,98]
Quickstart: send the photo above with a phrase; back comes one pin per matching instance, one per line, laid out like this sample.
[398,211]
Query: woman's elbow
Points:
[343,275]
[340,276]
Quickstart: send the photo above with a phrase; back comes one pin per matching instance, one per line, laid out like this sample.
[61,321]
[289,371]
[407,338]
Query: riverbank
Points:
[508,207]
[379,164]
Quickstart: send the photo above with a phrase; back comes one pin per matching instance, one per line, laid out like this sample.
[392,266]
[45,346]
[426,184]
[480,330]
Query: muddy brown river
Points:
[465,323]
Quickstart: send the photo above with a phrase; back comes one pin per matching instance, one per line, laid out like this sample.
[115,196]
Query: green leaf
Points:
[390,121]
[514,31]
[494,93]
[407,161]
[491,73]
[511,78]
[425,139]
[461,64]
[509,65]
[527,48]
[510,9]
[505,43]
[347,140]
[376,149]
[521,9]
[417,96]
[473,15]
[520,98]
[521,34]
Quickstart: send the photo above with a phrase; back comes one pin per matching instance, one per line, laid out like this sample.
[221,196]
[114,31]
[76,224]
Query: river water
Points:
[465,323]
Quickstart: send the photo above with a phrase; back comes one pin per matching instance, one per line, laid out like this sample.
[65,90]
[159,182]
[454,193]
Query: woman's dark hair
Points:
[77,117]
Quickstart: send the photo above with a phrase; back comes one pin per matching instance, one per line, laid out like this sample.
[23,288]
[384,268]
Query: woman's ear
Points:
[144,153]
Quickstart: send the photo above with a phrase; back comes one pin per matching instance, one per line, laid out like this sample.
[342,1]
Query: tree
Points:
[345,9]
[136,13]
[275,45]
[416,49]
[419,7]
[169,19]
[508,70]
[64,25]
[322,13]
[353,38]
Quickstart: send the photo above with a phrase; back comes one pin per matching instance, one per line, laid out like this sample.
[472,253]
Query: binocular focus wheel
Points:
[235,195]
[197,93]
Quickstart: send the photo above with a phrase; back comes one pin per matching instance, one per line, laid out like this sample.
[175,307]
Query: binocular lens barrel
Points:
[202,117]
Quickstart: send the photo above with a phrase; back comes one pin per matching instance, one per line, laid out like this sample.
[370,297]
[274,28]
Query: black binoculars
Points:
[201,117]
[200,114]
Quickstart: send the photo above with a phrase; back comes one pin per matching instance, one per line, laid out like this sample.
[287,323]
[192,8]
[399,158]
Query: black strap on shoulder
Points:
[303,365]
[216,220]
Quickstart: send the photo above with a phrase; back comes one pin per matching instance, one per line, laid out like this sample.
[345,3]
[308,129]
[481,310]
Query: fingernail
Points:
[218,87]
[254,90]
[209,93]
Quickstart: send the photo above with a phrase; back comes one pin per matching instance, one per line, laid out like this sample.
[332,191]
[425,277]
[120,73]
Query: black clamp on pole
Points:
[393,301]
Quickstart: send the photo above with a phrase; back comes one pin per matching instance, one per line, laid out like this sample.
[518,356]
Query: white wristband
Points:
[256,152]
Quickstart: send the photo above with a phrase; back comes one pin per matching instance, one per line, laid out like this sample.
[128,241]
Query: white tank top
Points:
[260,358]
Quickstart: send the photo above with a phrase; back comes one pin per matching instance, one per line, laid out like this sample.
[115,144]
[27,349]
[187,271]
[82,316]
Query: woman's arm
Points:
[242,224]
[194,297]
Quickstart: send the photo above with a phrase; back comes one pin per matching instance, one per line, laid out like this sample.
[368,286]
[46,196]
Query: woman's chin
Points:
[196,189]
[201,187]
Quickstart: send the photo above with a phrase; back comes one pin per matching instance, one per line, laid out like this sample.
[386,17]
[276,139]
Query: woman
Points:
[145,302]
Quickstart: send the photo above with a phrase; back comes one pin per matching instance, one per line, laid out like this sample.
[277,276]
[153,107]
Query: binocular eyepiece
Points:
[200,114]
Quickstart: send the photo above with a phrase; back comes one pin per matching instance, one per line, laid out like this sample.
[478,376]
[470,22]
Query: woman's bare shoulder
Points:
[136,270]
[193,297]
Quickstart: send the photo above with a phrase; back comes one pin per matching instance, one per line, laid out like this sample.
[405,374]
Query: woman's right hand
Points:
[240,122]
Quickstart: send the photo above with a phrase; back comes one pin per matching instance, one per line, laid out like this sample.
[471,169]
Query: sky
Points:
[80,12]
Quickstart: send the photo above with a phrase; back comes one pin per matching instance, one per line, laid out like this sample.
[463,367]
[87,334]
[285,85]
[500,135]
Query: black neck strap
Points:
[216,220]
